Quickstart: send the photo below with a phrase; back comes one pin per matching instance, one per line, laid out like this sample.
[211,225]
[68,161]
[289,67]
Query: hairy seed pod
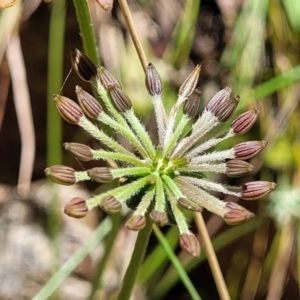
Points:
[160,218]
[245,121]
[136,222]
[153,81]
[88,103]
[82,65]
[248,149]
[68,109]
[189,243]
[237,168]
[191,105]
[119,99]
[236,214]
[255,190]
[61,174]
[80,151]
[110,205]
[100,174]
[190,82]
[106,78]
[76,208]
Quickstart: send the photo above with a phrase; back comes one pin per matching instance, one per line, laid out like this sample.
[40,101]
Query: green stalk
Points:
[141,132]
[136,260]
[87,30]
[116,219]
[125,131]
[54,78]
[58,278]
[182,274]
[54,121]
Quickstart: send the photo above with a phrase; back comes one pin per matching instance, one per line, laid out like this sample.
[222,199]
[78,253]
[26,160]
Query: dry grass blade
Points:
[24,113]
[211,257]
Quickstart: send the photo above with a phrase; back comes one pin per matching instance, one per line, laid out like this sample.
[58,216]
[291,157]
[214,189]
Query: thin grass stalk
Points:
[136,260]
[177,265]
[116,220]
[183,37]
[281,263]
[171,278]
[211,257]
[54,121]
[54,80]
[58,278]
[86,30]
[254,272]
[157,258]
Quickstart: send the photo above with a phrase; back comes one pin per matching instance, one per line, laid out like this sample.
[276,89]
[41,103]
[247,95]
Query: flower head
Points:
[168,177]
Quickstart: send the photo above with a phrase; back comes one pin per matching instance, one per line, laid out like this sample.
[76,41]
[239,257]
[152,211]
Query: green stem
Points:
[58,278]
[101,154]
[115,218]
[182,274]
[54,121]
[86,30]
[136,260]
[54,80]
[125,131]
[141,132]
[178,131]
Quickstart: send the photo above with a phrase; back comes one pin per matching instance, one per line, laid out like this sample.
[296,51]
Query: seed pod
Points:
[189,243]
[88,103]
[245,121]
[107,79]
[100,174]
[255,190]
[190,82]
[68,109]
[136,222]
[237,214]
[160,218]
[82,65]
[110,205]
[248,149]
[191,105]
[153,81]
[76,208]
[237,168]
[119,99]
[61,174]
[80,151]
[222,105]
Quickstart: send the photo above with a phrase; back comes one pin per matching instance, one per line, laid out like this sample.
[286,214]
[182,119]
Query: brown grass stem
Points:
[130,25]
[211,257]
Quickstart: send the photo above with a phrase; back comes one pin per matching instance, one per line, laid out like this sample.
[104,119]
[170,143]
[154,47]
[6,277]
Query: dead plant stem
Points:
[130,25]
[211,257]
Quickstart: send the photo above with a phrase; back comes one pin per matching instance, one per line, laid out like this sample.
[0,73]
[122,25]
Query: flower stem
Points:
[116,219]
[136,259]
[211,257]
[86,29]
